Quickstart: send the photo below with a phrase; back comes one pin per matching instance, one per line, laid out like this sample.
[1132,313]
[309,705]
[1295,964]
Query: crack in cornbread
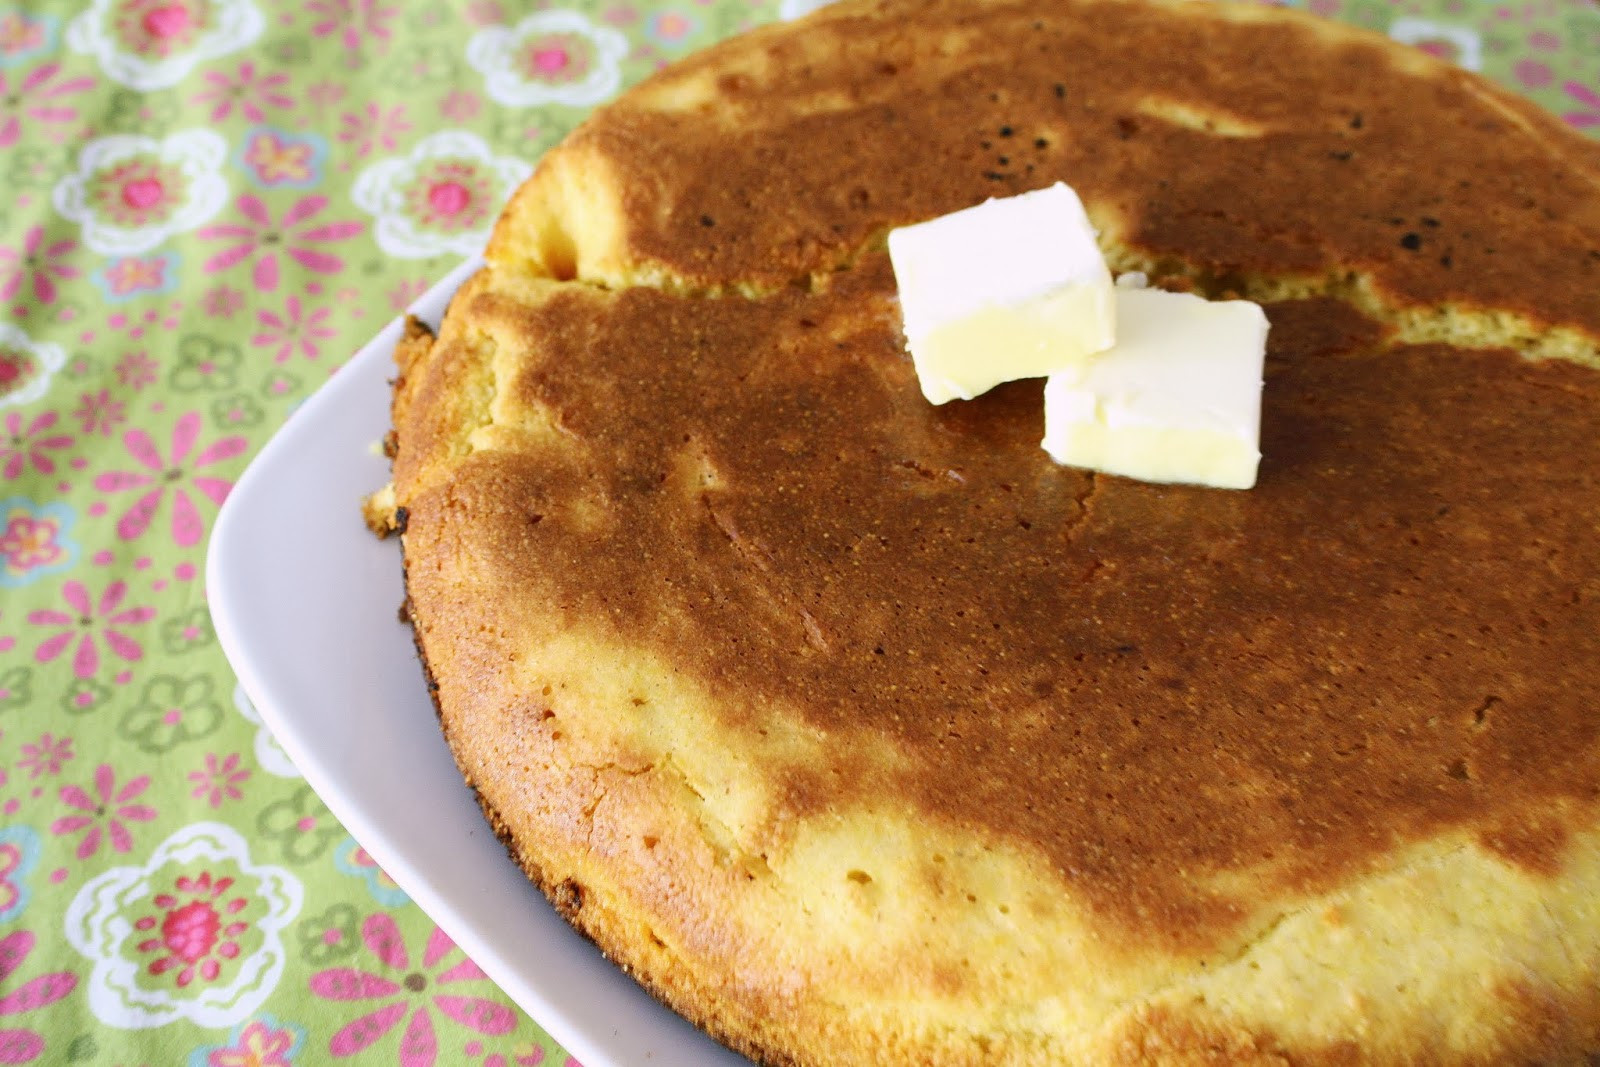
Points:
[860,732]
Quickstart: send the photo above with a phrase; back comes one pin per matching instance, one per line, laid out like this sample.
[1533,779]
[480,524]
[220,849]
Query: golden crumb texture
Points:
[861,733]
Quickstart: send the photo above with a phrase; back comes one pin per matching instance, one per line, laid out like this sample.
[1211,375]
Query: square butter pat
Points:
[1176,399]
[1012,288]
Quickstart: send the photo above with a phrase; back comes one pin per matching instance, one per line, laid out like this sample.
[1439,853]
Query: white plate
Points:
[304,600]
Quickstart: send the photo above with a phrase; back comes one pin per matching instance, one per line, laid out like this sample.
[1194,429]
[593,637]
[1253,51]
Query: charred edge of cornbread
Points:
[629,946]
[381,510]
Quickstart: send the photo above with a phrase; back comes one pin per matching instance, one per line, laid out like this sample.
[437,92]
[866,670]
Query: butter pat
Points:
[1012,288]
[1176,399]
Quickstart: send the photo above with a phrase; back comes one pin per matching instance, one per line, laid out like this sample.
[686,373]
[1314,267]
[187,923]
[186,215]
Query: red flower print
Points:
[352,20]
[31,445]
[110,806]
[192,933]
[408,989]
[138,191]
[250,92]
[86,620]
[265,239]
[158,475]
[218,781]
[100,413]
[25,1046]
[41,264]
[1590,99]
[451,195]
[46,757]
[374,127]
[293,330]
[37,98]
[160,27]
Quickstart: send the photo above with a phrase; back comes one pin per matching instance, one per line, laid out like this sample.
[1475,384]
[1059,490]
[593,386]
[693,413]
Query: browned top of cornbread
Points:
[1246,145]
[861,732]
[1394,635]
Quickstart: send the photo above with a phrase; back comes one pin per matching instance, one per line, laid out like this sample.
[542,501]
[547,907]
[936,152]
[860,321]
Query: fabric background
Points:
[207,206]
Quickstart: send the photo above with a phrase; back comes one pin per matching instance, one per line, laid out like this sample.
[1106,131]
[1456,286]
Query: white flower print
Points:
[441,198]
[131,193]
[1458,44]
[153,44]
[553,57]
[195,933]
[26,366]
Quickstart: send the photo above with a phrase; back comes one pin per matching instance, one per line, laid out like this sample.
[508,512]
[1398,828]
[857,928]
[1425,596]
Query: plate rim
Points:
[229,612]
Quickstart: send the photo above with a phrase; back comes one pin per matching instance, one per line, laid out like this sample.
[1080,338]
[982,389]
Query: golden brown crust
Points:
[1311,152]
[860,732]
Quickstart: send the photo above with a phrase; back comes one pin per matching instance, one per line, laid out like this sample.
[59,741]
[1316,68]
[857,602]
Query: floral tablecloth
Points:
[208,205]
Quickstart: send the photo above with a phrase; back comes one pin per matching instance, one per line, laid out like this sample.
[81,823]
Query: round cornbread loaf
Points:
[860,732]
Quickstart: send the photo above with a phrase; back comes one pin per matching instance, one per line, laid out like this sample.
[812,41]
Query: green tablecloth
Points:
[208,205]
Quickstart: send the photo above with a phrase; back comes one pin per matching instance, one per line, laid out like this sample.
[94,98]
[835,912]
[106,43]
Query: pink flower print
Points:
[47,756]
[451,195]
[218,780]
[461,106]
[158,28]
[137,192]
[264,239]
[373,127]
[250,92]
[25,1046]
[293,330]
[556,58]
[38,96]
[100,412]
[193,934]
[136,370]
[41,264]
[159,474]
[1590,99]
[405,293]
[531,1058]
[323,95]
[408,989]
[222,301]
[31,445]
[352,20]
[485,13]
[86,620]
[103,815]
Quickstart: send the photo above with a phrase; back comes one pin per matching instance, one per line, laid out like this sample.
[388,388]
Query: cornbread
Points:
[861,732]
